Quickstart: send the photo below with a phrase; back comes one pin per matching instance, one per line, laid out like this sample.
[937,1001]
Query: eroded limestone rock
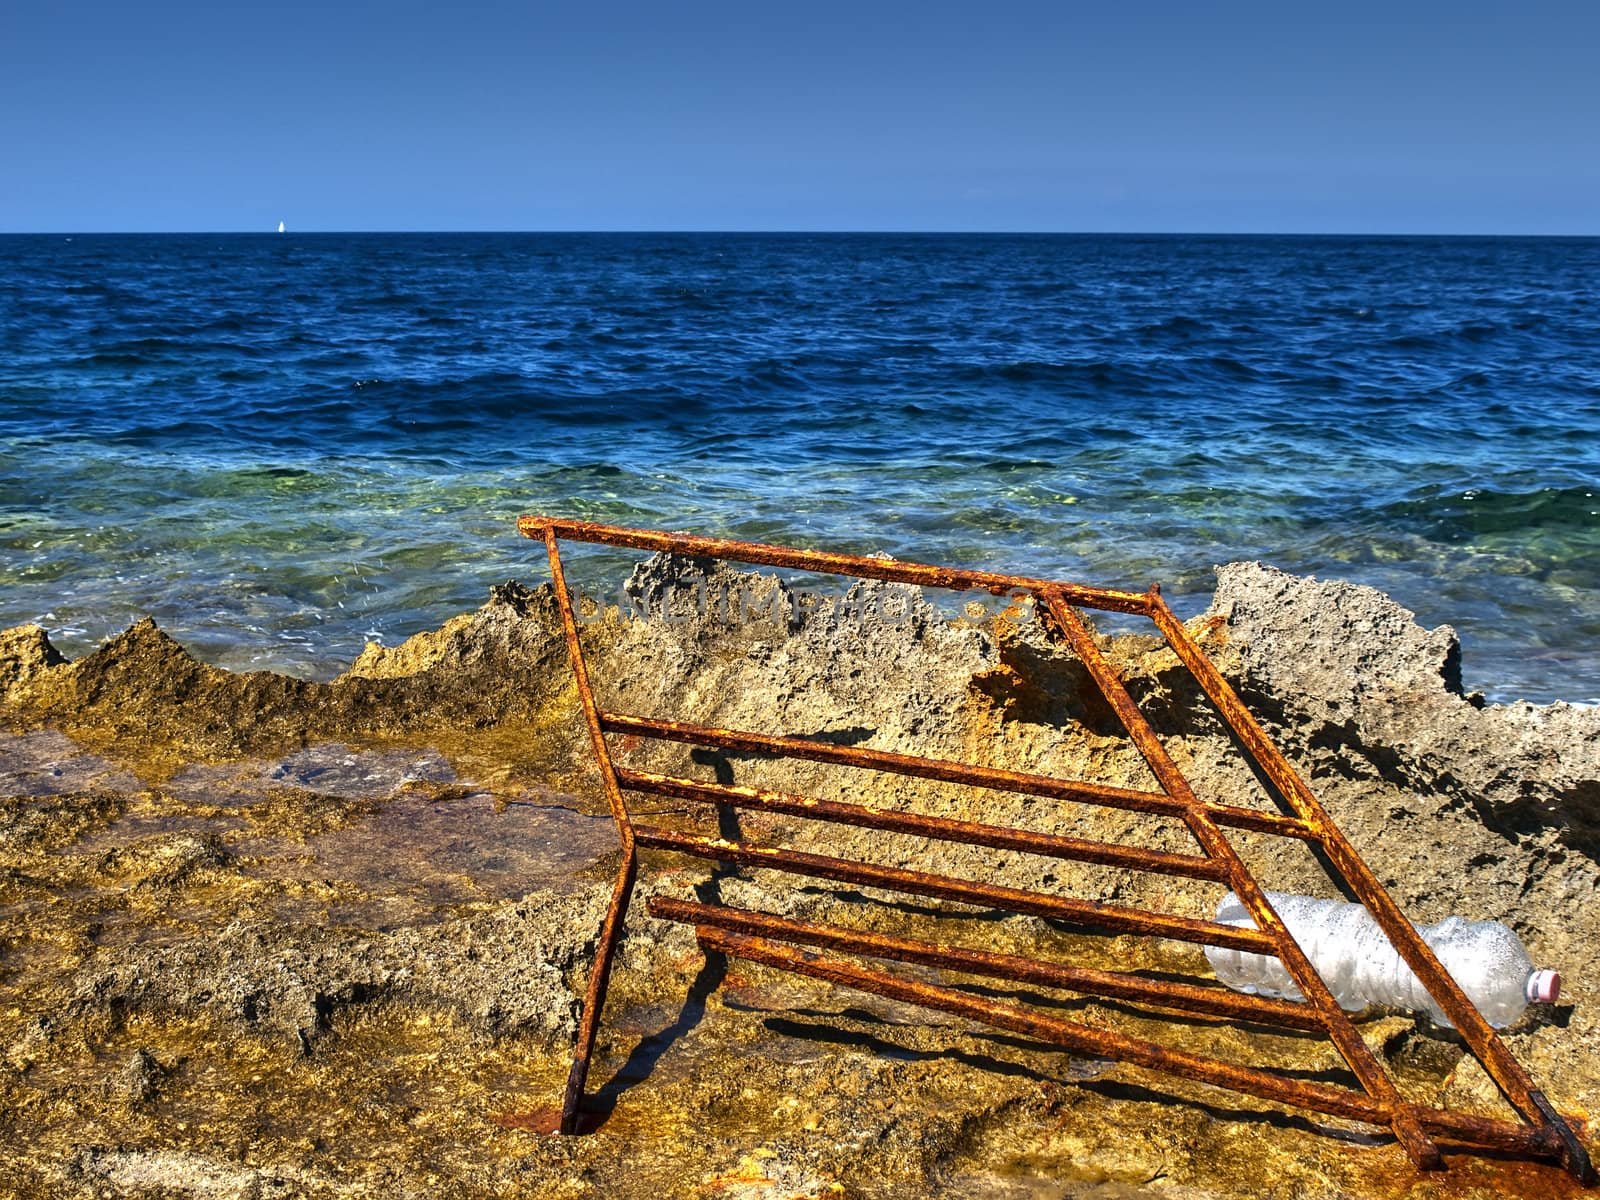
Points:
[249,946]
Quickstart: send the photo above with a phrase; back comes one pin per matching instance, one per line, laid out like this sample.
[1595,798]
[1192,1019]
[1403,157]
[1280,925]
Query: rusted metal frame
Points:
[1508,1074]
[823,563]
[1553,1130]
[971,833]
[1341,1031]
[594,1000]
[946,771]
[1160,993]
[964,891]
[1474,1132]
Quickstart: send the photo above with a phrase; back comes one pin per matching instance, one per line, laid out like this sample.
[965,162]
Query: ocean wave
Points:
[1463,333]
[1477,511]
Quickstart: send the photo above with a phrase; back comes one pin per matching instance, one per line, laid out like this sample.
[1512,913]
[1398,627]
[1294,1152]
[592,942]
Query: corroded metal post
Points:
[594,1000]
[1351,1048]
[1485,1042]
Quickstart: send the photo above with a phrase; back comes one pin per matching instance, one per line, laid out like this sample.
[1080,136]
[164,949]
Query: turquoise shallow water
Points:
[284,447]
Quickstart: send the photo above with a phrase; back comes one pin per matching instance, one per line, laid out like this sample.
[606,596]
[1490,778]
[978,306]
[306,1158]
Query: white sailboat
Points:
[280,226]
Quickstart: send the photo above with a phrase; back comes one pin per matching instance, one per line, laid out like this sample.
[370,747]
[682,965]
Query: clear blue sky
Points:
[1283,116]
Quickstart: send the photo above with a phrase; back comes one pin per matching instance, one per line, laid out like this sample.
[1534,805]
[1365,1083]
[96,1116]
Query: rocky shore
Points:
[264,937]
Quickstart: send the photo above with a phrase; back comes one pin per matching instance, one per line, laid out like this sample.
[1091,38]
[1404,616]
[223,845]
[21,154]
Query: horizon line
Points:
[799,232]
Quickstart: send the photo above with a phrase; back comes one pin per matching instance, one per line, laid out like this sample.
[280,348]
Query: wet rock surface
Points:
[262,937]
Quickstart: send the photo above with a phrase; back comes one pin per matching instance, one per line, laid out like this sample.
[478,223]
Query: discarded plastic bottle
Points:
[1360,966]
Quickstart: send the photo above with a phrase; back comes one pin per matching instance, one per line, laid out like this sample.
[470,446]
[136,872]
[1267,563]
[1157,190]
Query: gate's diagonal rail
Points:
[1356,1054]
[1540,1130]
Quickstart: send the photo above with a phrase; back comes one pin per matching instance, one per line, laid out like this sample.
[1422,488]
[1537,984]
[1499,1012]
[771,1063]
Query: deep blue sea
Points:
[284,446]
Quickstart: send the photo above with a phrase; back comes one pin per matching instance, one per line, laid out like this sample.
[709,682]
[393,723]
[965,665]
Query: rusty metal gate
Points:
[796,946]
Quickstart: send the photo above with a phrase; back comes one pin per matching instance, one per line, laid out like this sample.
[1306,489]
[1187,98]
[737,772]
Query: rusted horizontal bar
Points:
[969,833]
[824,563]
[1160,993]
[965,891]
[1476,1132]
[946,771]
